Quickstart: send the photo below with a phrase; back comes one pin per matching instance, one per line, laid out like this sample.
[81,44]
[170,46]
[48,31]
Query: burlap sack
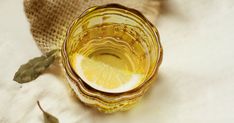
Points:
[50,19]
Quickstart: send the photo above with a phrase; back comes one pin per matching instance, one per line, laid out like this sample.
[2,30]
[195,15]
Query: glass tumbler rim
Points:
[139,15]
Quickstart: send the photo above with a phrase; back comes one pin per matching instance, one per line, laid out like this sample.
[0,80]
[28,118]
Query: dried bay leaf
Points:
[48,118]
[35,67]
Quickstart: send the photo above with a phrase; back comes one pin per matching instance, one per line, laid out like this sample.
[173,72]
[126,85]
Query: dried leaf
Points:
[48,118]
[35,67]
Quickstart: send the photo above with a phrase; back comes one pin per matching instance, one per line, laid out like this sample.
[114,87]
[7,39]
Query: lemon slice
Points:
[104,77]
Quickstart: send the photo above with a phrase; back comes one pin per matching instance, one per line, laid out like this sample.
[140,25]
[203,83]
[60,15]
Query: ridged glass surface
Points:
[119,37]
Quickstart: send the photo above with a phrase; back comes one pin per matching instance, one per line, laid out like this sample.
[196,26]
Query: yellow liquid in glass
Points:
[118,45]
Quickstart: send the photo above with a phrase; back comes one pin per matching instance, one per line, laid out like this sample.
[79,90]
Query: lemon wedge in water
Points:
[104,77]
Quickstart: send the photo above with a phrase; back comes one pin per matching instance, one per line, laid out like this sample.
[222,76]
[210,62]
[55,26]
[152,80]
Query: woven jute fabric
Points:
[50,19]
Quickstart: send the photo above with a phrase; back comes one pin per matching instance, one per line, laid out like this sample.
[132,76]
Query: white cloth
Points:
[196,79]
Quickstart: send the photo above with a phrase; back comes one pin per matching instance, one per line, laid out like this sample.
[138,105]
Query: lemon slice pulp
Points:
[104,77]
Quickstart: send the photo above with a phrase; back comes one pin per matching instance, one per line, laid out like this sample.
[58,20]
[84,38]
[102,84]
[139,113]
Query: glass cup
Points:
[116,31]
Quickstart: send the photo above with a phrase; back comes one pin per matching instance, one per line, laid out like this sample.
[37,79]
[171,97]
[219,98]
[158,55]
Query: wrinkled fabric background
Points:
[195,85]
